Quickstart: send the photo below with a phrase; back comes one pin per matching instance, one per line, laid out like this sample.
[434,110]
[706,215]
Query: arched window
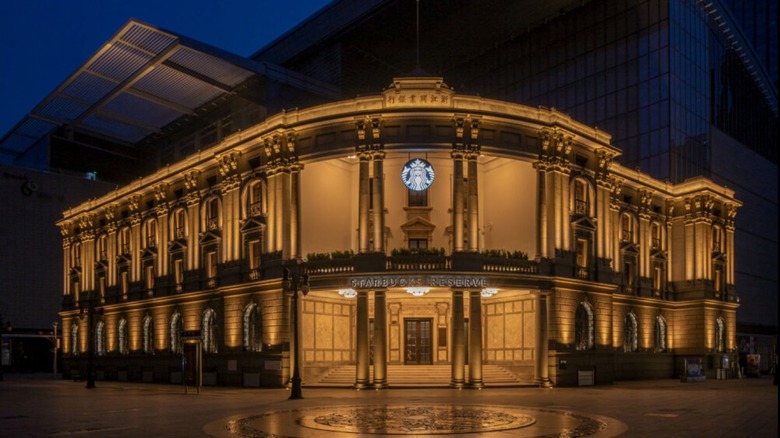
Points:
[255,199]
[124,240]
[717,239]
[253,328]
[176,327]
[581,197]
[212,214]
[655,236]
[76,255]
[626,228]
[179,224]
[583,326]
[208,331]
[74,338]
[150,233]
[630,333]
[100,338]
[148,338]
[660,334]
[720,335]
[122,337]
[102,247]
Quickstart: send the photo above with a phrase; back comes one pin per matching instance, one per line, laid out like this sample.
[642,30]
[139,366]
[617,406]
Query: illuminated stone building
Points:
[436,228]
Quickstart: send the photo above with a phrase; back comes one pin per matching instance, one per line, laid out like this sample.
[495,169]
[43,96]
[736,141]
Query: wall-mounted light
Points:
[348,293]
[488,292]
[417,291]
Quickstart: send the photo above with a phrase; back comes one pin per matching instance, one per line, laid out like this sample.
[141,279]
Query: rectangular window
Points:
[582,253]
[254,254]
[178,271]
[418,243]
[418,199]
[657,278]
[125,282]
[149,277]
[211,264]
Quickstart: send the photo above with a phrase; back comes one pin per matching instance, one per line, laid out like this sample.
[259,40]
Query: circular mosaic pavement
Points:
[414,419]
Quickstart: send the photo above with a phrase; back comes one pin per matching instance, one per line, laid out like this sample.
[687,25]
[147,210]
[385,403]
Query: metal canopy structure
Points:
[141,80]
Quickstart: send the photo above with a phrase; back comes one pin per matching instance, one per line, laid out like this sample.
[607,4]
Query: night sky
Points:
[42,42]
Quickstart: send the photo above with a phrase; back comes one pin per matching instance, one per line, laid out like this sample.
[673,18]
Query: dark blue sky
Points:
[42,42]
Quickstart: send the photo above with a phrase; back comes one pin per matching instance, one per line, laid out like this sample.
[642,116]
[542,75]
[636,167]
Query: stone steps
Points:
[417,376]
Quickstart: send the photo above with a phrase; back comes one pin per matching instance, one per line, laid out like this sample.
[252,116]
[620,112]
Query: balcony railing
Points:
[581,207]
[212,223]
[418,262]
[626,236]
[178,233]
[582,273]
[656,243]
[255,209]
[499,264]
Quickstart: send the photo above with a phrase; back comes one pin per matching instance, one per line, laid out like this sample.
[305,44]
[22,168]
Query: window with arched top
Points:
[655,236]
[74,338]
[124,240]
[626,228]
[253,328]
[150,233]
[255,199]
[581,197]
[660,334]
[176,328]
[123,347]
[720,335]
[100,338]
[179,224]
[102,247]
[584,336]
[209,331]
[717,239]
[212,214]
[630,333]
[76,255]
[148,335]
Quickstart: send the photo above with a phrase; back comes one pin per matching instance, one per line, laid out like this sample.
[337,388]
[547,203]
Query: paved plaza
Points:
[38,406]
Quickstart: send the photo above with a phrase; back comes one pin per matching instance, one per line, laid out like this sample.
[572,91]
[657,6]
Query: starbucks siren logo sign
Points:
[417,175]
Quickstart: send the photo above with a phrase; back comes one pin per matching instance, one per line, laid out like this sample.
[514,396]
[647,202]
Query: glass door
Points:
[417,341]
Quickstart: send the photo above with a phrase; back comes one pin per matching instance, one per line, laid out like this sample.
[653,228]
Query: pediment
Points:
[630,248]
[418,224]
[177,246]
[254,224]
[149,253]
[584,222]
[720,257]
[210,237]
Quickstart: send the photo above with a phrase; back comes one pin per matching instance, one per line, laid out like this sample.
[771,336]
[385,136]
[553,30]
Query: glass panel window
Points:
[418,199]
[418,243]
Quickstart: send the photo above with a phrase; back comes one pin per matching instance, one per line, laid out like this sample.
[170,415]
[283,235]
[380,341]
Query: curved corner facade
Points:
[435,229]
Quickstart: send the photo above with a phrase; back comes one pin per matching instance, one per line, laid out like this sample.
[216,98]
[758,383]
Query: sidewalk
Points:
[36,406]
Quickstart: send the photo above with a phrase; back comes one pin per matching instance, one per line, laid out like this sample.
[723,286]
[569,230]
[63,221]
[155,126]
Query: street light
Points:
[292,283]
[89,312]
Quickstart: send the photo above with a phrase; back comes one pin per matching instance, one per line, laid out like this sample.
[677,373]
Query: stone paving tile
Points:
[32,406]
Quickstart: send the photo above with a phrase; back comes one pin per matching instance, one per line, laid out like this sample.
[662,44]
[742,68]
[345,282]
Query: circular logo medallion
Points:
[417,174]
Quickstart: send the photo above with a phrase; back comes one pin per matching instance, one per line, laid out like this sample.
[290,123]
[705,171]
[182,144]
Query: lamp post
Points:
[292,282]
[56,344]
[89,312]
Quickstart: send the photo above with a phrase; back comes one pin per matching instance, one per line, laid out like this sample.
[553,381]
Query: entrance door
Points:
[417,341]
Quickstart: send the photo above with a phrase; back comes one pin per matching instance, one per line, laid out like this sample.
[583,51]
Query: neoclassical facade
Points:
[435,229]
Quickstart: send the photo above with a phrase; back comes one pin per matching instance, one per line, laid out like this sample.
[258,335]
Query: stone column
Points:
[379,202]
[362,368]
[542,377]
[457,201]
[295,211]
[380,339]
[286,216]
[270,234]
[363,204]
[473,204]
[475,340]
[458,346]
